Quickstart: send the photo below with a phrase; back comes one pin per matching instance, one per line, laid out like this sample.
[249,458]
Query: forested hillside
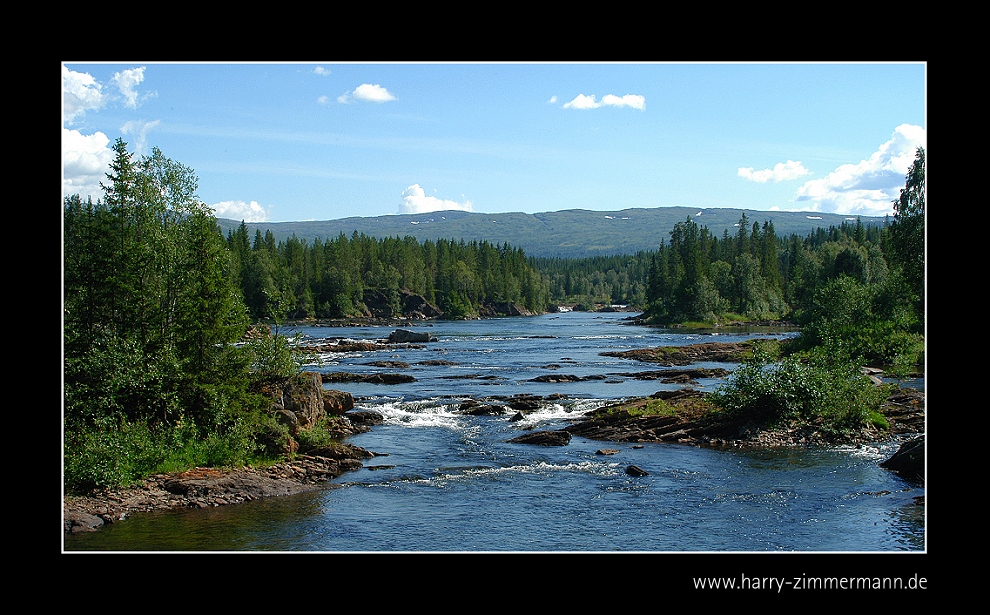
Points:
[339,277]
[574,233]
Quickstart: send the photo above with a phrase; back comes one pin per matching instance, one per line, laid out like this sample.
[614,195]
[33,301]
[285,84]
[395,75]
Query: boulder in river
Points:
[909,459]
[369,378]
[401,336]
[544,438]
[636,471]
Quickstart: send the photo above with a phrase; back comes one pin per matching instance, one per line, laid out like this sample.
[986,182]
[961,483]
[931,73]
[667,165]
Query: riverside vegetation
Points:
[160,375]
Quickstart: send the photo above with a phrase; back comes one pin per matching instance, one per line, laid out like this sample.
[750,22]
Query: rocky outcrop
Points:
[341,345]
[401,336]
[727,352]
[301,401]
[417,307]
[503,308]
[207,488]
[909,460]
[365,418]
[405,305]
[555,378]
[336,403]
[691,421]
[676,375]
[473,407]
[544,438]
[904,409]
[369,378]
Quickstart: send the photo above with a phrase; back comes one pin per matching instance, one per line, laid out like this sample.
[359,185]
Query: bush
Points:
[325,432]
[820,388]
[110,456]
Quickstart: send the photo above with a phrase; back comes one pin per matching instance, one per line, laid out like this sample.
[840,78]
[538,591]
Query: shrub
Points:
[820,388]
[323,433]
[109,456]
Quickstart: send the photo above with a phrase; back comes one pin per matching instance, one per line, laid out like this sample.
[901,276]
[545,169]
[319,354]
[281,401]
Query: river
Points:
[451,482]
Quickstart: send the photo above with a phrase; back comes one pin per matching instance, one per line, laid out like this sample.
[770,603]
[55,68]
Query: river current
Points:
[446,481]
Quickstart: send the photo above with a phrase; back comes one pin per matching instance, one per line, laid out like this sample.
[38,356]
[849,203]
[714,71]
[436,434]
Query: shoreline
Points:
[214,487]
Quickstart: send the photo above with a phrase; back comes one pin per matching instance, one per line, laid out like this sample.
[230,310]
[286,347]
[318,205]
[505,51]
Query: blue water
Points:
[450,482]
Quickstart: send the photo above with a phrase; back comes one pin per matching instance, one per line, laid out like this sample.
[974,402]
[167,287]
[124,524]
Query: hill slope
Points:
[572,233]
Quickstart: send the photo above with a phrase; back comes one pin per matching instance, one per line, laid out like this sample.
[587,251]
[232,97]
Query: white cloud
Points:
[80,93]
[553,100]
[582,102]
[780,172]
[367,93]
[609,100]
[85,163]
[323,100]
[415,201]
[126,81]
[141,130]
[870,186]
[319,70]
[240,210]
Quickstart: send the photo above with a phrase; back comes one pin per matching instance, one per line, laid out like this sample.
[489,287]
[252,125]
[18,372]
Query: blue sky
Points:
[321,140]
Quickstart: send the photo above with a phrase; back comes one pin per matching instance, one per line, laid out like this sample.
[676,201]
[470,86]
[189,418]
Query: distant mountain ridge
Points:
[571,233]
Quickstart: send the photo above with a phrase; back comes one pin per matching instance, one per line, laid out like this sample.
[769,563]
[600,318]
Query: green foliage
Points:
[821,388]
[324,433]
[151,318]
[866,322]
[123,454]
[273,357]
[908,232]
[341,277]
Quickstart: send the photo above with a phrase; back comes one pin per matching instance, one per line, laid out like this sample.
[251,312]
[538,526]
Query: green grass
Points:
[654,407]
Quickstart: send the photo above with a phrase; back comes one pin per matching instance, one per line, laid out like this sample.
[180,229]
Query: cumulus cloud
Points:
[240,210]
[80,93]
[870,186]
[319,70]
[415,201]
[127,82]
[780,172]
[367,92]
[582,101]
[85,163]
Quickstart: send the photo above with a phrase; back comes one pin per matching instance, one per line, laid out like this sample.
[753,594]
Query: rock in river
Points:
[544,438]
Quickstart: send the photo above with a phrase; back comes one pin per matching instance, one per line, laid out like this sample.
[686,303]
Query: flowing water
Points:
[451,482]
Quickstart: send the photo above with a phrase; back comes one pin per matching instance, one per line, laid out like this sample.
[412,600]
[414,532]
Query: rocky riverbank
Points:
[301,403]
[210,487]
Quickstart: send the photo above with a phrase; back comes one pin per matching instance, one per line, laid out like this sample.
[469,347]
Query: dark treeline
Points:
[696,276]
[331,279]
